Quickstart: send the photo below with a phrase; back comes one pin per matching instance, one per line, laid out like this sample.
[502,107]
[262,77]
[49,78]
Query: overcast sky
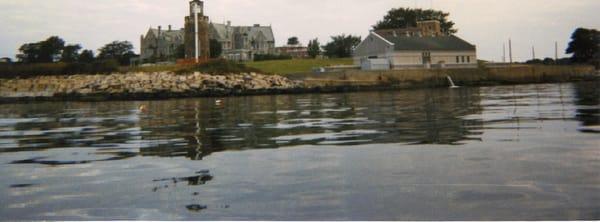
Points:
[485,23]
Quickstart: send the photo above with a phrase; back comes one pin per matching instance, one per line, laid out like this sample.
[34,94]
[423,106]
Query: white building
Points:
[376,52]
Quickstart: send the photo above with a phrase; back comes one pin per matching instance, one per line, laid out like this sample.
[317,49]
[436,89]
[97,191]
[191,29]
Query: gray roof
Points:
[172,34]
[221,30]
[253,32]
[439,43]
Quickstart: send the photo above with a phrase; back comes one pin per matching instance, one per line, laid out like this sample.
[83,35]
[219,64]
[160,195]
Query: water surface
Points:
[525,152]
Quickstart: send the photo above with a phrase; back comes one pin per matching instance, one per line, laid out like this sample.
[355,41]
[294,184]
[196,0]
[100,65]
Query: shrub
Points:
[265,57]
[217,67]
[48,69]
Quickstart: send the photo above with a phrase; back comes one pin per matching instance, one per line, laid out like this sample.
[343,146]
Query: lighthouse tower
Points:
[196,32]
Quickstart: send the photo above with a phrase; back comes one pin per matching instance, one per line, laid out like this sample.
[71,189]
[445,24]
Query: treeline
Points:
[550,61]
[340,46]
[54,57]
[585,47]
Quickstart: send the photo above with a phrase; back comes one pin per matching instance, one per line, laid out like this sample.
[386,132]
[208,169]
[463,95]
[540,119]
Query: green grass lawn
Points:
[296,65]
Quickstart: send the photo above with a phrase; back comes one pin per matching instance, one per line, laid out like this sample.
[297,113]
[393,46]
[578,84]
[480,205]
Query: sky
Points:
[486,23]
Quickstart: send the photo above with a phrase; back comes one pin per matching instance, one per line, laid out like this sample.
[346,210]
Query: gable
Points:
[150,34]
[260,37]
[373,44]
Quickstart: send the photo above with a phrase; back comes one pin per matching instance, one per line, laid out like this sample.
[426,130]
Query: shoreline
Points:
[164,85]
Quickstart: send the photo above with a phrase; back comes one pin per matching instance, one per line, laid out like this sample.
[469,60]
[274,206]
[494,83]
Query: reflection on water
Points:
[509,152]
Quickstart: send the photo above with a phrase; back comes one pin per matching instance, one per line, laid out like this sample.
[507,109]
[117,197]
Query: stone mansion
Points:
[238,43]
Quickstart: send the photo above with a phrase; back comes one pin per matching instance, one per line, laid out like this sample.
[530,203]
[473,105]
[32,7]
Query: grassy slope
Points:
[296,65]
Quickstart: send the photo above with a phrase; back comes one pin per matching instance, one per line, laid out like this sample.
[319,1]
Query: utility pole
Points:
[503,52]
[510,50]
[533,52]
[555,51]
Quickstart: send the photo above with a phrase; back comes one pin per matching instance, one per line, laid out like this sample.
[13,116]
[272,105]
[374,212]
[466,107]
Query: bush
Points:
[217,67]
[30,70]
[48,69]
[265,57]
[97,67]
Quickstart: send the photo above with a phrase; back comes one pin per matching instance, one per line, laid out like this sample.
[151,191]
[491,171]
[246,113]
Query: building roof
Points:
[438,43]
[221,31]
[256,31]
[174,34]
[253,32]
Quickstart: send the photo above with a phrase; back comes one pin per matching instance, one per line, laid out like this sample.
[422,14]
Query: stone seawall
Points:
[141,86]
[411,78]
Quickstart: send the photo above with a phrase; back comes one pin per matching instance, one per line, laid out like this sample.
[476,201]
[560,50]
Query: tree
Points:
[584,45]
[29,53]
[70,53]
[86,56]
[121,51]
[48,50]
[548,61]
[314,48]
[564,61]
[534,61]
[215,48]
[293,41]
[407,17]
[51,48]
[341,46]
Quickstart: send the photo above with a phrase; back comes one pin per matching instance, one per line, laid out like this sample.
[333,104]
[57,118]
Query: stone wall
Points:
[517,74]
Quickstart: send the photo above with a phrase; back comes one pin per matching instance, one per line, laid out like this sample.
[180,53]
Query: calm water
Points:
[508,152]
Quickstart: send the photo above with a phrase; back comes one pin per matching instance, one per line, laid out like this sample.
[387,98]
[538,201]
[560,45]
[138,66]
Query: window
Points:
[463,59]
[457,60]
[468,59]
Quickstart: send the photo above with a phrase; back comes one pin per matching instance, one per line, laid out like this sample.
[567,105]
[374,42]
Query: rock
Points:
[145,83]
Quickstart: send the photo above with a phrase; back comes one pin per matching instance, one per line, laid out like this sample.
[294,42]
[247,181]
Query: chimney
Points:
[159,30]
[169,27]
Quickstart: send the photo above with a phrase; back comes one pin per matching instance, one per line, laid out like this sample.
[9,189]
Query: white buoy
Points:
[452,85]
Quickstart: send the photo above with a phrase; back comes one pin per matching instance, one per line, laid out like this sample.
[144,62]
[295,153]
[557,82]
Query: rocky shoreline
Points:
[142,86]
[166,85]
